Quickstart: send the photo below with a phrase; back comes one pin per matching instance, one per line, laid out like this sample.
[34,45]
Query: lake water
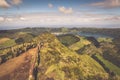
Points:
[93,35]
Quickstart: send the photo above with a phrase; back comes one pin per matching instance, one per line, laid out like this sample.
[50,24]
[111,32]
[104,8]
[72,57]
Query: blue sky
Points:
[28,6]
[36,13]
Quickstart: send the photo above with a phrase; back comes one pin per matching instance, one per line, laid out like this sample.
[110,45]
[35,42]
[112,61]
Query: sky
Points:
[59,13]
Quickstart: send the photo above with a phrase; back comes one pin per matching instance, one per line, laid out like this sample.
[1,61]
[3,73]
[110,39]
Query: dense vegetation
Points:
[107,53]
[14,51]
[60,63]
[68,39]
[111,53]
[6,42]
[109,67]
[65,57]
[80,44]
[113,32]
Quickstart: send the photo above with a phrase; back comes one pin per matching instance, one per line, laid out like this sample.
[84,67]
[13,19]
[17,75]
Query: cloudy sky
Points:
[59,13]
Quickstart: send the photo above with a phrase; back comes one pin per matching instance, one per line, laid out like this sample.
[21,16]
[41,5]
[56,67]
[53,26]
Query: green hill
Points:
[80,44]
[68,39]
[6,42]
[22,37]
[57,62]
[49,59]
[108,65]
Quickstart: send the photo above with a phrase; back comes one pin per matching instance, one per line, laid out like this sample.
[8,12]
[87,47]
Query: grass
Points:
[7,43]
[109,65]
[2,40]
[58,61]
[16,65]
[91,67]
[68,39]
[61,63]
[78,45]
[22,33]
[101,39]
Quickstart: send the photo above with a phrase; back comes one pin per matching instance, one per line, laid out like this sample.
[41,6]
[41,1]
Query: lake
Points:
[96,35]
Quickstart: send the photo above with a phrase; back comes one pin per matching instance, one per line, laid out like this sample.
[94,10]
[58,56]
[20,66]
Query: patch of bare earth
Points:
[17,68]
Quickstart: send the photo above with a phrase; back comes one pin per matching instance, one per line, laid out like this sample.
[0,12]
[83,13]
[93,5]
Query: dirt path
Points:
[17,66]
[33,71]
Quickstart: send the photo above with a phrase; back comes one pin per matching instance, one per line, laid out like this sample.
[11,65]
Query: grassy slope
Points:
[80,44]
[2,40]
[109,65]
[102,39]
[18,67]
[68,39]
[60,63]
[7,42]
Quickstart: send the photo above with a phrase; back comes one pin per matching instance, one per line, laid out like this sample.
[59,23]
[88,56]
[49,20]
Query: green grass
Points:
[109,65]
[62,63]
[68,39]
[101,39]
[80,44]
[8,43]
[89,66]
[2,40]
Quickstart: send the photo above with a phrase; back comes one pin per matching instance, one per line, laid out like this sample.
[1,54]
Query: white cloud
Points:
[22,18]
[113,18]
[31,20]
[107,4]
[4,4]
[65,10]
[1,19]
[16,2]
[9,19]
[50,5]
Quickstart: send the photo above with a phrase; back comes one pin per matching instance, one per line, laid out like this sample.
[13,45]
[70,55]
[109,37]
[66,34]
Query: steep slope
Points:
[6,42]
[80,44]
[18,67]
[57,62]
[2,40]
[89,50]
[110,68]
